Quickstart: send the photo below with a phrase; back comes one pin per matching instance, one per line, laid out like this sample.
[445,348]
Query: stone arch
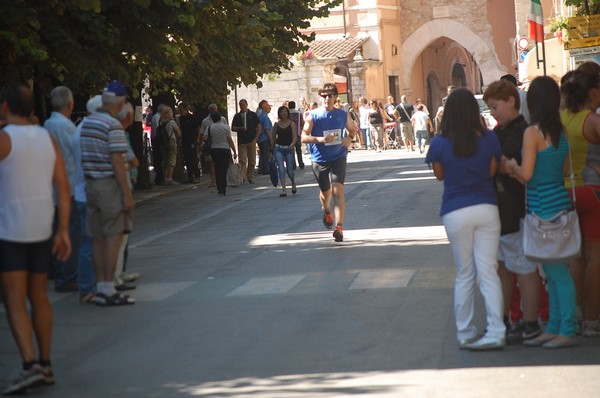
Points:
[421,38]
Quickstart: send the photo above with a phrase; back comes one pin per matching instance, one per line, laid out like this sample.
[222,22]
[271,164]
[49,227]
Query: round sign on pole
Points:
[523,43]
[522,55]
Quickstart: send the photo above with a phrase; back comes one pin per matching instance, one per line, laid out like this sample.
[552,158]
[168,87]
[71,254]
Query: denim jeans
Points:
[86,277]
[366,137]
[288,155]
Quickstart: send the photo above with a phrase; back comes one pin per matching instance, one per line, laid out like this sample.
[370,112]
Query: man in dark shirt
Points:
[190,139]
[247,126]
[297,118]
[403,113]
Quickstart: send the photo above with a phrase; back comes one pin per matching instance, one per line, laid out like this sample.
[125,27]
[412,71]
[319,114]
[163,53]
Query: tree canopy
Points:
[585,7]
[193,47]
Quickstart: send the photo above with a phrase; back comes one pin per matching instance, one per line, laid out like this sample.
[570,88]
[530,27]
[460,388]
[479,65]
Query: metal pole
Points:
[544,55]
[344,16]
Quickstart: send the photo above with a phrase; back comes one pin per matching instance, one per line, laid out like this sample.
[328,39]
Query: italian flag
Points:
[536,21]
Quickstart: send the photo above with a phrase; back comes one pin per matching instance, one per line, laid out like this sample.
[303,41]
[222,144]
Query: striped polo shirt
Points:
[101,136]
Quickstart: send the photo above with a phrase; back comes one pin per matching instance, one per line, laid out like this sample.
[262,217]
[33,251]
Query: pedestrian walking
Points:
[30,165]
[284,142]
[219,135]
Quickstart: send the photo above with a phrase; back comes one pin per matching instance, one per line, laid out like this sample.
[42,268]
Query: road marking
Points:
[268,285]
[382,279]
[399,236]
[158,291]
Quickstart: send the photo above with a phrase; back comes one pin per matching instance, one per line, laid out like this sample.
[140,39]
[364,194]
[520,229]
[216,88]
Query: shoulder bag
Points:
[405,112]
[554,240]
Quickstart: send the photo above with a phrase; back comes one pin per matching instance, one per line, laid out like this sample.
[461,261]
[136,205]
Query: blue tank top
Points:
[324,121]
[546,192]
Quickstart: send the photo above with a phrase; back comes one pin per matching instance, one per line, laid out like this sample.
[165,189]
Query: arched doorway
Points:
[433,92]
[474,51]
[459,77]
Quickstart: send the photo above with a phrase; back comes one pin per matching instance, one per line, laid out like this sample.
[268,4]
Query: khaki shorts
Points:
[406,129]
[105,211]
[170,154]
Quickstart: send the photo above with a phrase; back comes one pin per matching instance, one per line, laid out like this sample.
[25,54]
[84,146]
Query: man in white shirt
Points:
[422,126]
[365,125]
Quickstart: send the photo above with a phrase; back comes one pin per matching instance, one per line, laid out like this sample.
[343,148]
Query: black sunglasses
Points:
[327,95]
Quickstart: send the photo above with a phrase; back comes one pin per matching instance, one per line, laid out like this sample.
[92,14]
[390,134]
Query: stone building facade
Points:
[374,48]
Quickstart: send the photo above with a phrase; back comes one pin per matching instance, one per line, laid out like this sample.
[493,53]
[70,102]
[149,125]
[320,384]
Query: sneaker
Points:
[338,233]
[327,219]
[486,344]
[522,331]
[129,276]
[514,335]
[48,375]
[532,331]
[24,379]
[591,328]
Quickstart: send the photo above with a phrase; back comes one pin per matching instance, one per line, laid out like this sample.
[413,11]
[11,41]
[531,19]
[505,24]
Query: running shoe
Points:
[327,219]
[23,379]
[338,233]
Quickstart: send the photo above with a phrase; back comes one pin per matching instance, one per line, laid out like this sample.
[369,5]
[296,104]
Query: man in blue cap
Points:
[109,199]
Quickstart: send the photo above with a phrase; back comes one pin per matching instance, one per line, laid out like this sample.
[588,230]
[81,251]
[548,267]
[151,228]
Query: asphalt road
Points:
[249,296]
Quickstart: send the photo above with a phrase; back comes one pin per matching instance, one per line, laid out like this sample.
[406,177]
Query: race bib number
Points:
[338,136]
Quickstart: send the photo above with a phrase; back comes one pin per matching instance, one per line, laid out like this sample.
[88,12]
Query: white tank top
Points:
[26,206]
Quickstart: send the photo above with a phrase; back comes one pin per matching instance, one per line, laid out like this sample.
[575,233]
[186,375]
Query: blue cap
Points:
[115,89]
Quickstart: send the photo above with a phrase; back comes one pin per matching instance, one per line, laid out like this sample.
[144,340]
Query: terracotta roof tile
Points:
[336,48]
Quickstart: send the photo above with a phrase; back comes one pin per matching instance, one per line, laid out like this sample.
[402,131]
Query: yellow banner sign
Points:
[579,43]
[584,31]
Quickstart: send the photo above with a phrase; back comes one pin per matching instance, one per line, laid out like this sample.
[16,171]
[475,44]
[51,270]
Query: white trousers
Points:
[474,234]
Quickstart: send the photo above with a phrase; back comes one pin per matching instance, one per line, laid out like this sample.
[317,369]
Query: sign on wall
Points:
[584,31]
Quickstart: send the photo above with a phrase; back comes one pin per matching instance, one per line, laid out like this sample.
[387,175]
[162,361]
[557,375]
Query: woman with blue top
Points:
[545,151]
[466,156]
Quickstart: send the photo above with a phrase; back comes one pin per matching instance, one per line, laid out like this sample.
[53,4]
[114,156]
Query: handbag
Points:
[554,240]
[234,175]
[207,144]
[273,172]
